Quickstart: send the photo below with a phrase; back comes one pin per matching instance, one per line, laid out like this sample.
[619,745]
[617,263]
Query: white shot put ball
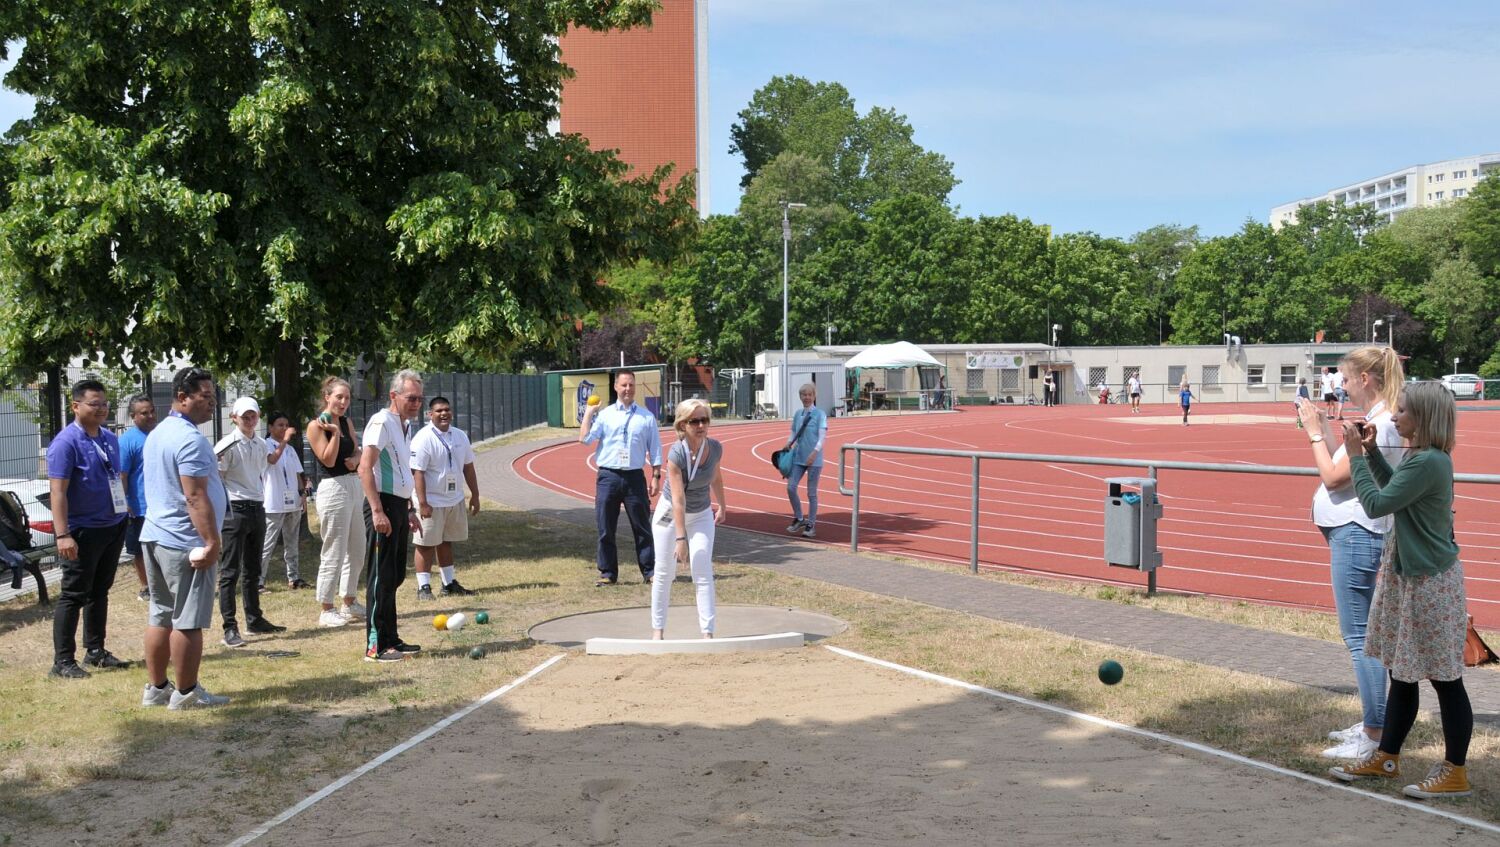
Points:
[197,554]
[456,621]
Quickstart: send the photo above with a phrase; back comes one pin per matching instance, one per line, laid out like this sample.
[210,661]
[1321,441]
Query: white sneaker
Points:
[154,696]
[332,618]
[352,611]
[198,698]
[1354,748]
[1354,731]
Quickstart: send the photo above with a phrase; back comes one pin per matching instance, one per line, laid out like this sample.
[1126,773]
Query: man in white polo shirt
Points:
[440,454]
[242,462]
[385,476]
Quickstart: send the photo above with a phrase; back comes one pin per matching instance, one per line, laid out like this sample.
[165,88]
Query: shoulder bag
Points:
[782,459]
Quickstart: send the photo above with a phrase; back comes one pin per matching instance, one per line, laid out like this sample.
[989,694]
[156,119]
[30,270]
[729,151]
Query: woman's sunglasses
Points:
[691,421]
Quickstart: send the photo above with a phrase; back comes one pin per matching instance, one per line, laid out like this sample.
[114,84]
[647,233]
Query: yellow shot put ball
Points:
[440,623]
[593,399]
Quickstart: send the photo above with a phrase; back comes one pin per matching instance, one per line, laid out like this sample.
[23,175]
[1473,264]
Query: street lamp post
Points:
[786,242]
[1375,327]
[1055,329]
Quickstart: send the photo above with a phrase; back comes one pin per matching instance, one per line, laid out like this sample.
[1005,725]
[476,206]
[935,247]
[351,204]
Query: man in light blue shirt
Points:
[626,436]
[185,505]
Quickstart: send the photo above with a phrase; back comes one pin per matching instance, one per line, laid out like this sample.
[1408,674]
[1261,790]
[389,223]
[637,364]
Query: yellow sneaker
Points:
[1444,780]
[1378,763]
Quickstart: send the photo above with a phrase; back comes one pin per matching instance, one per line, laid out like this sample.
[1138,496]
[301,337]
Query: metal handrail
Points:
[975,456]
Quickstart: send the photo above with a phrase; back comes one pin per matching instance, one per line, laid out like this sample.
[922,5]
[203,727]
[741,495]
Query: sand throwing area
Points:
[806,747]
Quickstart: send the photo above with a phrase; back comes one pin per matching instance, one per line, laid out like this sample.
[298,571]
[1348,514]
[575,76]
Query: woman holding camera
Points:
[1373,376]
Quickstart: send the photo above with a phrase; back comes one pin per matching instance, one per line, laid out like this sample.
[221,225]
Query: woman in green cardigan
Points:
[1418,620]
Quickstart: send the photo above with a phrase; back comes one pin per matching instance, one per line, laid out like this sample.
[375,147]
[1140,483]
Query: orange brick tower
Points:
[644,92]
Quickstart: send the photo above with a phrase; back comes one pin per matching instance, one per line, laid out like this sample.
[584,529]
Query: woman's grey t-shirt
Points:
[703,477]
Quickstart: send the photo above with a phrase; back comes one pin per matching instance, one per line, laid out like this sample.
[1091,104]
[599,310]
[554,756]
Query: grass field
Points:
[82,763]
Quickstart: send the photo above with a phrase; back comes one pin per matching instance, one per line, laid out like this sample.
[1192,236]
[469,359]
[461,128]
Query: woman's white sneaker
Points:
[1355,748]
[1342,735]
[332,618]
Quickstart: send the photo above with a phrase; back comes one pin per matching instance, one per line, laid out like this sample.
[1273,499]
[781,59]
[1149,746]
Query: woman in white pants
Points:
[685,516]
[339,501]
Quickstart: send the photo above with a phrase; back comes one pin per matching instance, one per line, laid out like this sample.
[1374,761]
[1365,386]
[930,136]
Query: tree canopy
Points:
[214,179]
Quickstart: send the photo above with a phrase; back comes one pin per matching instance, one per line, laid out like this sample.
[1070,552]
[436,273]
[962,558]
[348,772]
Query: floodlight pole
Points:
[786,241]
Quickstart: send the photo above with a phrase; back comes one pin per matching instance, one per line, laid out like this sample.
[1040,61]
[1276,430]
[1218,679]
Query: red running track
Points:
[1231,535]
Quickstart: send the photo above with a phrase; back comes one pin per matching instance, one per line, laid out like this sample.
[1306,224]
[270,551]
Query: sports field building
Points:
[983,374]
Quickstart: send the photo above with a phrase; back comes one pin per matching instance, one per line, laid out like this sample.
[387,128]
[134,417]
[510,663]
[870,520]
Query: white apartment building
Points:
[1409,188]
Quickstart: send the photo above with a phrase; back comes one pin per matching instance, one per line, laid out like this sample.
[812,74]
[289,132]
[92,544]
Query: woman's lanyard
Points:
[694,463]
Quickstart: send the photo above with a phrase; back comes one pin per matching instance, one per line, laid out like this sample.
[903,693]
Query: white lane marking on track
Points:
[1053,433]
[389,754]
[1169,739]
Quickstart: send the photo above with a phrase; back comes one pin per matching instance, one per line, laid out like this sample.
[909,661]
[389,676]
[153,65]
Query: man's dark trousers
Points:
[613,489]
[385,570]
[85,590]
[244,535]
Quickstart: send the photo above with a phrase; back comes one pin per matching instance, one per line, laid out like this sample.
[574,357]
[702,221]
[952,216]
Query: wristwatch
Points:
[1314,439]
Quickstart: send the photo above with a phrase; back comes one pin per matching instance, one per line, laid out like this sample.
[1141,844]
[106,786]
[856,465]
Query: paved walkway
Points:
[1304,661]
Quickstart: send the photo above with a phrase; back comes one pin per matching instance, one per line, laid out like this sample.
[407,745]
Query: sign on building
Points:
[1001,361]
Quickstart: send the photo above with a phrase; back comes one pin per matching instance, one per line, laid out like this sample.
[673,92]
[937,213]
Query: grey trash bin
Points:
[1131,511]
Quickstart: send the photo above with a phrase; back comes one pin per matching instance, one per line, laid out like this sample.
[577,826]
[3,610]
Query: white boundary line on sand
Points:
[1168,739]
[388,755]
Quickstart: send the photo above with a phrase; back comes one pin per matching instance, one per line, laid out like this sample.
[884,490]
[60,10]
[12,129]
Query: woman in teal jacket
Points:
[1419,617]
[809,428]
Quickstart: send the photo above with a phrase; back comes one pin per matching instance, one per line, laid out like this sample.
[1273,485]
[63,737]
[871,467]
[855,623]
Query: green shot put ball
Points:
[476,653]
[482,617]
[1110,672]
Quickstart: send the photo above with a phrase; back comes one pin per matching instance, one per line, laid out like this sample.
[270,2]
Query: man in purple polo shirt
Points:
[88,518]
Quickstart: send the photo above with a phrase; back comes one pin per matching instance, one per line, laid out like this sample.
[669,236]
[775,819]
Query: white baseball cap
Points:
[246,404]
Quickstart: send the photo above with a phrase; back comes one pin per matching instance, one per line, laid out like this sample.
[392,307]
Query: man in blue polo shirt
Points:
[185,505]
[626,435]
[88,519]
[143,415]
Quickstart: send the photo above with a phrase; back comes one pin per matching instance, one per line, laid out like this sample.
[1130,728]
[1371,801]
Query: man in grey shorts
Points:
[185,504]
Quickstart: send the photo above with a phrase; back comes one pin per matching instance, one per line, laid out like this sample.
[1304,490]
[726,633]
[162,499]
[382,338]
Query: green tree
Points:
[308,180]
[734,282]
[1479,225]
[1007,270]
[909,292]
[1095,293]
[1158,254]
[792,114]
[869,157]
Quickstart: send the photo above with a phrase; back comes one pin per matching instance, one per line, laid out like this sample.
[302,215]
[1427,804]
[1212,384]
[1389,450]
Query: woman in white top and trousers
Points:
[685,518]
[1373,377]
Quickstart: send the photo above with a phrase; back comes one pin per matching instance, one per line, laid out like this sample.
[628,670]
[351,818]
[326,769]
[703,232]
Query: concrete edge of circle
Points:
[648,647]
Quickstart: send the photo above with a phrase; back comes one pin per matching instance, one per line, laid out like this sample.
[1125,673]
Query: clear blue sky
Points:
[1115,116]
[1110,116]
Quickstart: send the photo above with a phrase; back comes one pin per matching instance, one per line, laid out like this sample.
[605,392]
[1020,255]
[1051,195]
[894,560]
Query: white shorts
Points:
[447,524]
